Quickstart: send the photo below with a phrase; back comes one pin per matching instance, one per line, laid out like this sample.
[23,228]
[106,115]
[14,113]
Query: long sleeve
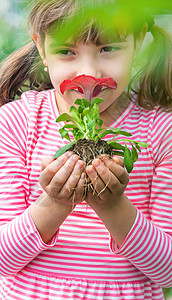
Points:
[148,245]
[78,262]
[20,241]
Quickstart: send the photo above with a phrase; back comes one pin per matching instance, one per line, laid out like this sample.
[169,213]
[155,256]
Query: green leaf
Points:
[119,153]
[70,126]
[79,135]
[99,123]
[94,137]
[96,101]
[77,119]
[143,144]
[64,134]
[63,150]
[83,126]
[90,125]
[122,132]
[138,147]
[80,109]
[134,154]
[103,134]
[87,113]
[95,112]
[82,102]
[128,160]
[115,145]
[64,117]
[74,113]
[119,131]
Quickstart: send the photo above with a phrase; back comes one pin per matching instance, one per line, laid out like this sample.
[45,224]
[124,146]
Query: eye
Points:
[109,49]
[65,52]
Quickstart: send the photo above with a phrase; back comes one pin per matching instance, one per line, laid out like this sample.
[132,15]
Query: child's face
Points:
[109,60]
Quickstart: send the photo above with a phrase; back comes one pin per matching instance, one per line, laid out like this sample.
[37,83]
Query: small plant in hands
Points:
[85,124]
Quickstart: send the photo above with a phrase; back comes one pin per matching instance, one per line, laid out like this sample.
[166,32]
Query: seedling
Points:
[84,128]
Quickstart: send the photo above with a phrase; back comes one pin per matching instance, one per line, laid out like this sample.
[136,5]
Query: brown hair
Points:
[24,68]
[153,82]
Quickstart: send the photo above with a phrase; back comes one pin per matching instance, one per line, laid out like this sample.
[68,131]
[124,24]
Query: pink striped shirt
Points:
[82,261]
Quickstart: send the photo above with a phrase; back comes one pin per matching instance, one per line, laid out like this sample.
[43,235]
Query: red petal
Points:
[82,81]
[109,82]
[85,82]
[97,90]
[88,85]
[80,90]
[67,84]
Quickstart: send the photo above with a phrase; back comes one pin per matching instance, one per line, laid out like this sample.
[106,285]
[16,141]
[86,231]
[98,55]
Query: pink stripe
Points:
[79,256]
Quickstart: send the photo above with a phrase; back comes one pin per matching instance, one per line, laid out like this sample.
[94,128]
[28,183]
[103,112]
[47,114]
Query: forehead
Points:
[88,34]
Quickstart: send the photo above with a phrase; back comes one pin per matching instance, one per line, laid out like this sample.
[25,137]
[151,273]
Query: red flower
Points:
[88,85]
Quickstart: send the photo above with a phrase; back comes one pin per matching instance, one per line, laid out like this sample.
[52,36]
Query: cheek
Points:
[69,96]
[57,71]
[56,76]
[122,71]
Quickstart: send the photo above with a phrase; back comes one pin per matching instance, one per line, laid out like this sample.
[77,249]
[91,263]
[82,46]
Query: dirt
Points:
[87,150]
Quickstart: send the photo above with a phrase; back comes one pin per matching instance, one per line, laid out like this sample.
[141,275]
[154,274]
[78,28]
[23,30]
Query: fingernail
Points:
[83,175]
[96,162]
[75,157]
[104,157]
[69,153]
[79,164]
[116,159]
[90,169]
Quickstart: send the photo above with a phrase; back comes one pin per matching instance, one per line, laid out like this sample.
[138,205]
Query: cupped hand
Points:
[109,179]
[63,179]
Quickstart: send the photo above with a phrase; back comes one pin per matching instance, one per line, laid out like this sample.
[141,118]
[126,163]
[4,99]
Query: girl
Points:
[117,245]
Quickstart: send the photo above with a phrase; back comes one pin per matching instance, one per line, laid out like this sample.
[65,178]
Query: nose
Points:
[89,68]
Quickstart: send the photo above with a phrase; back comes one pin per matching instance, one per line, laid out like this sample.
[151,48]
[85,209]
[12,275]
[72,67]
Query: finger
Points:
[119,160]
[65,171]
[96,173]
[107,177]
[79,191]
[52,168]
[45,162]
[116,169]
[70,185]
[110,180]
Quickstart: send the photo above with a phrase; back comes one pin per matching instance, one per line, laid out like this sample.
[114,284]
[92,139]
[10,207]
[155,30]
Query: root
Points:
[92,152]
[73,195]
[89,185]
[88,150]
[105,185]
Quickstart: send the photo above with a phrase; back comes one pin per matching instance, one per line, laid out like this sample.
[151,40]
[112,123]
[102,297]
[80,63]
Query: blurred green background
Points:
[13,27]
[13,24]
[14,34]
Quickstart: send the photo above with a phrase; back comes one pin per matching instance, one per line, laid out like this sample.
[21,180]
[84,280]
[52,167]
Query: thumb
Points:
[45,162]
[119,160]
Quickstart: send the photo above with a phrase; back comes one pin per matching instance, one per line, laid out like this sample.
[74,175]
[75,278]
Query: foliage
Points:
[13,29]
[85,123]
[12,37]
[167,293]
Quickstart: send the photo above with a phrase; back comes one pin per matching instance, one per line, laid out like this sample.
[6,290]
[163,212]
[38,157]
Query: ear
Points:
[40,48]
